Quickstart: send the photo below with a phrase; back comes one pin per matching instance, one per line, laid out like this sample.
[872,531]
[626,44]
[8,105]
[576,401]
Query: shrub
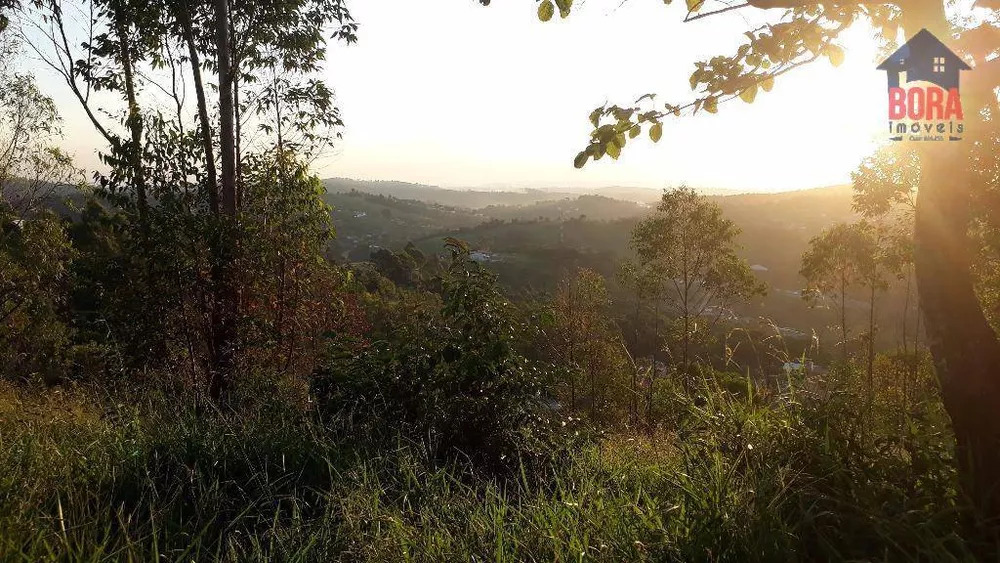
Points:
[455,380]
[34,260]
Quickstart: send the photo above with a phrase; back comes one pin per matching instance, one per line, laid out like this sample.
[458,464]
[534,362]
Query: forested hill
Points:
[472,199]
[479,197]
[533,246]
[776,227]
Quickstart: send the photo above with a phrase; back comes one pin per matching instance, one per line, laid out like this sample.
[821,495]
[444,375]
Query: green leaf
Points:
[614,150]
[767,83]
[595,116]
[711,104]
[580,160]
[835,54]
[564,7]
[634,131]
[655,132]
[546,10]
[694,5]
[749,94]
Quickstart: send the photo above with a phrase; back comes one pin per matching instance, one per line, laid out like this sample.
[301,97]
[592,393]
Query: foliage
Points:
[804,475]
[183,209]
[802,34]
[687,251]
[453,377]
[584,339]
[32,169]
[35,257]
[845,256]
[292,295]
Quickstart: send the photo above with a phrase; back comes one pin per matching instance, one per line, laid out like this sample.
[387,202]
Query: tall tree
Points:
[885,191]
[863,255]
[691,250]
[831,267]
[226,309]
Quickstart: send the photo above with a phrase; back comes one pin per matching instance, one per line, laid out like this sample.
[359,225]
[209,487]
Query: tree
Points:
[586,341]
[449,371]
[846,256]
[145,51]
[830,267]
[965,348]
[885,186]
[32,169]
[690,250]
[643,287]
[34,261]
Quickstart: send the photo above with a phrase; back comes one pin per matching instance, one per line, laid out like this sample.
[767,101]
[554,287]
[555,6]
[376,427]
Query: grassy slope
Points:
[85,477]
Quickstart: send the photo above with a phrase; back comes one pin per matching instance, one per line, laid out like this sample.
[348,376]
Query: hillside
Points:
[473,199]
[498,194]
[365,220]
[533,246]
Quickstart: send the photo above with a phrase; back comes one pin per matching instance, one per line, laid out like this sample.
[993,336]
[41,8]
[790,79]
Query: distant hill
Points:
[479,197]
[533,253]
[62,199]
[365,220]
[777,227]
[593,207]
[473,199]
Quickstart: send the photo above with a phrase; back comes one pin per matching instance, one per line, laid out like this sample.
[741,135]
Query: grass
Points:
[87,476]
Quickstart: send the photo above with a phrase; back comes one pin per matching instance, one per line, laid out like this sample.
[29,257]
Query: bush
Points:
[455,380]
[34,262]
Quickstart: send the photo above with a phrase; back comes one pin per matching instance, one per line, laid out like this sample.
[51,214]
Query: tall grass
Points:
[742,475]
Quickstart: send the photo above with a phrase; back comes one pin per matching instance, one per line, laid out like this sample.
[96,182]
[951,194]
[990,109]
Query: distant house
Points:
[924,57]
[787,332]
[797,367]
[483,256]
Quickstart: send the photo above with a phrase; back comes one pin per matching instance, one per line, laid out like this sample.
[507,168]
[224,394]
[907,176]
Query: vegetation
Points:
[964,345]
[191,370]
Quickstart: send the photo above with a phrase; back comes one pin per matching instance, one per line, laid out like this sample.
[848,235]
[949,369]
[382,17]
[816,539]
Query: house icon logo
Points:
[924,99]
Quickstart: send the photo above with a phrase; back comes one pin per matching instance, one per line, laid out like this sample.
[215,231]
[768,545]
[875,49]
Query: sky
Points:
[451,93]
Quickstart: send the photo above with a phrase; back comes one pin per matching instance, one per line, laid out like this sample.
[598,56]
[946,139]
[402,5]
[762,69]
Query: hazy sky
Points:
[452,93]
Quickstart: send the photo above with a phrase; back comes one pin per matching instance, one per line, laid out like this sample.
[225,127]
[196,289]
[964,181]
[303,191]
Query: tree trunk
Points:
[225,313]
[134,122]
[206,125]
[964,346]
